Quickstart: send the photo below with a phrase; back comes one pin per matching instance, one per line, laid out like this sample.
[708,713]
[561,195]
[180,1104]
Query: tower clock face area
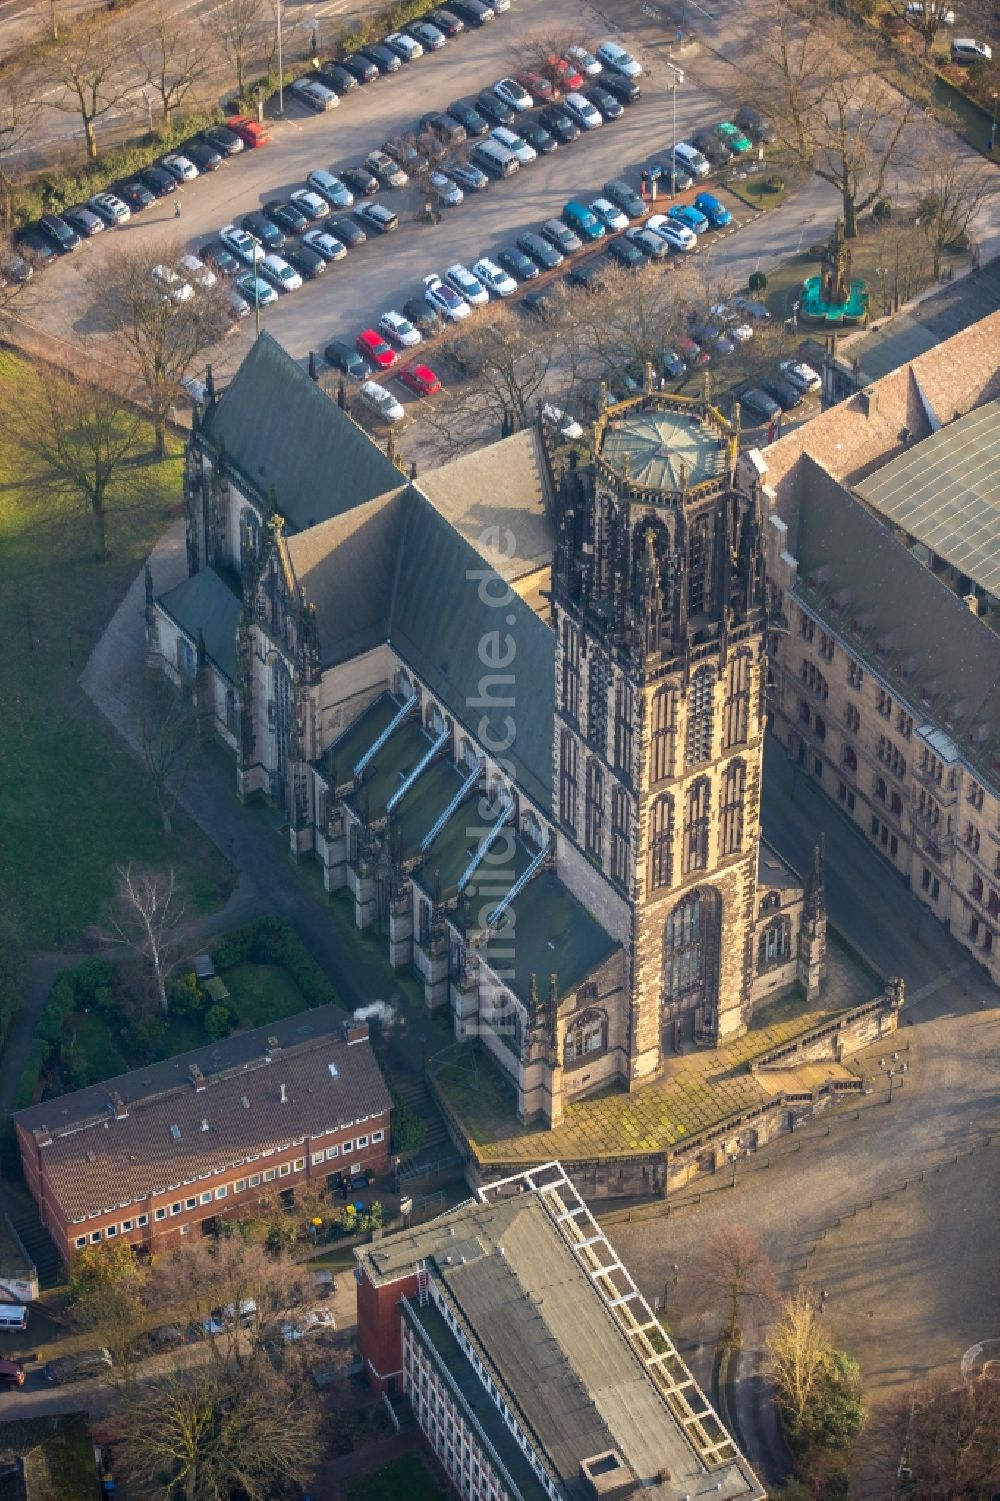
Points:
[664,450]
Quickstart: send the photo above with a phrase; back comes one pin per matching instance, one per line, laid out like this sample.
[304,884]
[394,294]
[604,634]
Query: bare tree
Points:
[902,263]
[946,1434]
[954,189]
[75,437]
[165,724]
[543,52]
[798,1351]
[144,916]
[208,1432]
[927,21]
[19,106]
[91,65]
[160,334]
[173,57]
[732,1276]
[241,30]
[831,110]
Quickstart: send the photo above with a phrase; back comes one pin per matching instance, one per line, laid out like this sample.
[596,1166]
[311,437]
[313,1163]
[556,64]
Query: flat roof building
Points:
[148,1155]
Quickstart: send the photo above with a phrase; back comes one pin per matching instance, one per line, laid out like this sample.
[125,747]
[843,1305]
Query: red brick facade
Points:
[380,1337]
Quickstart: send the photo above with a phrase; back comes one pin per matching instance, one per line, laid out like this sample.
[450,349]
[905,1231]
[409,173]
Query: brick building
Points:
[534,1366]
[156,1154]
[884,565]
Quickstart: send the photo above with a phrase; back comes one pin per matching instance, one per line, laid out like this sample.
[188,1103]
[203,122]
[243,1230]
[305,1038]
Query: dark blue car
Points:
[715,212]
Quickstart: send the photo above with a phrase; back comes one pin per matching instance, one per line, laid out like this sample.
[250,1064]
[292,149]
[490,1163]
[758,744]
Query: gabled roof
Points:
[281,431]
[203,602]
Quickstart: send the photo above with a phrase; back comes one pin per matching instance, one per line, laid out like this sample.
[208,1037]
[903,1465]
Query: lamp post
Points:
[149,108]
[256,298]
[892,1069]
[677,77]
[993,127]
[669,1286]
[281,78]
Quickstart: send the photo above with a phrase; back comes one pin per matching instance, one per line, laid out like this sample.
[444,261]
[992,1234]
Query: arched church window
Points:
[568,772]
[571,670]
[232,711]
[733,791]
[597,702]
[661,844]
[700,566]
[696,820]
[774,945]
[736,712]
[664,734]
[404,685]
[283,707]
[587,1037]
[249,535]
[621,835]
[701,697]
[683,948]
[531,828]
[624,711]
[594,810]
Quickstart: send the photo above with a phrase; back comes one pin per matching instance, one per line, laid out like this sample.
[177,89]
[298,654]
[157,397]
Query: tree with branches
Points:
[165,724]
[945,1434]
[542,52]
[241,31]
[161,336]
[798,1350]
[173,57]
[107,1288]
[75,437]
[831,110]
[19,106]
[91,65]
[954,188]
[733,1277]
[144,916]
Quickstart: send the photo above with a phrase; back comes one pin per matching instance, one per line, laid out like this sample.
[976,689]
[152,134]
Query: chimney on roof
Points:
[204,1125]
[43,1136]
[355,1032]
[197,1077]
[273,1045]
[118,1106]
[284,1093]
[244,1102]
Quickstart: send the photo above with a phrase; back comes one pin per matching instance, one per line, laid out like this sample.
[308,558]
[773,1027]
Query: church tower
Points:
[659,608]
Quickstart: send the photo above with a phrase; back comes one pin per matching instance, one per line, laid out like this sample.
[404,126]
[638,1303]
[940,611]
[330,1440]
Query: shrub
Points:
[218,1022]
[773,184]
[409,1130]
[882,211]
[185,995]
[270,941]
[61,1001]
[757,281]
[27,1085]
[142,1037]
[91,976]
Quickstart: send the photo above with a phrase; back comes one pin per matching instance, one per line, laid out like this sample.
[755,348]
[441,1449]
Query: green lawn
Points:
[262,993]
[58,1454]
[73,801]
[405,1479]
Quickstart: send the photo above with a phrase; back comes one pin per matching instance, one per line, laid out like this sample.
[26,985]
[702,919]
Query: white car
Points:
[406,47]
[800,374]
[280,274]
[444,299]
[585,61]
[494,278]
[677,236]
[325,244]
[916,8]
[399,329]
[611,216]
[243,245]
[110,208]
[580,109]
[308,1323]
[512,142]
[180,169]
[610,55]
[449,193]
[315,94]
[171,285]
[311,204]
[462,281]
[380,401]
[566,426]
[196,271]
[509,91]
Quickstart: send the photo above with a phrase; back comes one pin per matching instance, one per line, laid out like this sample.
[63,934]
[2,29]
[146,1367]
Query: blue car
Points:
[715,212]
[688,216]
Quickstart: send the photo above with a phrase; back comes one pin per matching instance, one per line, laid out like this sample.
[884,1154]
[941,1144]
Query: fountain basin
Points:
[814,307]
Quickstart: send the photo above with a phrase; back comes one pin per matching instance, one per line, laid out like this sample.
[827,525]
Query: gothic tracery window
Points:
[621,835]
[682,948]
[568,764]
[624,710]
[586,1037]
[597,702]
[249,534]
[594,810]
[571,670]
[696,821]
[699,725]
[663,734]
[661,843]
[733,792]
[774,945]
[700,566]
[736,711]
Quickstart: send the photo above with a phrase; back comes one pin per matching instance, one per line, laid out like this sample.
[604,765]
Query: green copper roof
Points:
[666,450]
[203,602]
[546,931]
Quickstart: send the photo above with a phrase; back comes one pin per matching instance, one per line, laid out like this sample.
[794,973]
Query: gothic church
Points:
[515,709]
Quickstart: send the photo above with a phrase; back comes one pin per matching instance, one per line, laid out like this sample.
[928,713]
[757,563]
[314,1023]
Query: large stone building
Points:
[534,1366]
[544,789]
[884,565]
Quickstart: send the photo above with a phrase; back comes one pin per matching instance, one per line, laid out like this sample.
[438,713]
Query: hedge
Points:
[270,941]
[11,978]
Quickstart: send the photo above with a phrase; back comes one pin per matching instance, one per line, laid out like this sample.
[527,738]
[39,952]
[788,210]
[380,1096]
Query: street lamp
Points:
[281,78]
[677,77]
[993,127]
[149,108]
[892,1069]
[669,1286]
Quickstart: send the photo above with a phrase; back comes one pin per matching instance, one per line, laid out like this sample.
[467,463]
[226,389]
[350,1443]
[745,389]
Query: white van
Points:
[690,160]
[965,50]
[494,159]
[13,1316]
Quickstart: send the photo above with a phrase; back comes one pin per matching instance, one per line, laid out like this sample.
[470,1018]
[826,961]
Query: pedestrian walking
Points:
[177,210]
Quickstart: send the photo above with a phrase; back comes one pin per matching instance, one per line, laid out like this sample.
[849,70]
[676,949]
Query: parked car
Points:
[313,206]
[649,242]
[136,195]
[196,272]
[759,406]
[785,392]
[447,22]
[517,263]
[560,124]
[673,365]
[713,148]
[84,221]
[625,254]
[580,109]
[307,1323]
[624,197]
[473,122]
[403,151]
[537,85]
[217,255]
[388,172]
[627,90]
[347,231]
[181,167]
[223,140]
[337,78]
[399,329]
[583,221]
[606,104]
[62,236]
[514,94]
[754,123]
[587,276]
[36,249]
[540,140]
[242,243]
[288,217]
[668,178]
[494,278]
[686,214]
[374,348]
[614,58]
[205,157]
[494,108]
[473,12]
[250,132]
[515,144]
[380,401]
[539,303]
[733,137]
[427,34]
[336,192]
[11,1375]
[317,96]
[280,274]
[363,182]
[967,50]
[320,242]
[444,127]
[159,181]
[167,1336]
[347,360]
[561,236]
[376,216]
[112,209]
[423,316]
[461,280]
[801,375]
[361,67]
[421,379]
[78,1367]
[687,159]
[610,215]
[715,213]
[306,261]
[584,61]
[753,307]
[444,299]
[471,179]
[386,59]
[405,47]
[256,290]
[264,231]
[445,190]
[692,352]
[238,305]
[541,250]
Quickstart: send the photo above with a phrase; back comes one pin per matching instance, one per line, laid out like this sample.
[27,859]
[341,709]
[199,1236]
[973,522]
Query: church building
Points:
[514,708]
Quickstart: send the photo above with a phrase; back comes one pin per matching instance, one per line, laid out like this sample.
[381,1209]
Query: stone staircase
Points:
[40,1247]
[416,1097]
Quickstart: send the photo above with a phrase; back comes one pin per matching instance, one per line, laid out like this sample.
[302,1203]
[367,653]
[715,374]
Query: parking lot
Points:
[388,269]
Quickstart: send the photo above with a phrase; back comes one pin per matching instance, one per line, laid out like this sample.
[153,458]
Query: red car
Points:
[249,131]
[421,378]
[374,348]
[692,352]
[538,87]
[564,74]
